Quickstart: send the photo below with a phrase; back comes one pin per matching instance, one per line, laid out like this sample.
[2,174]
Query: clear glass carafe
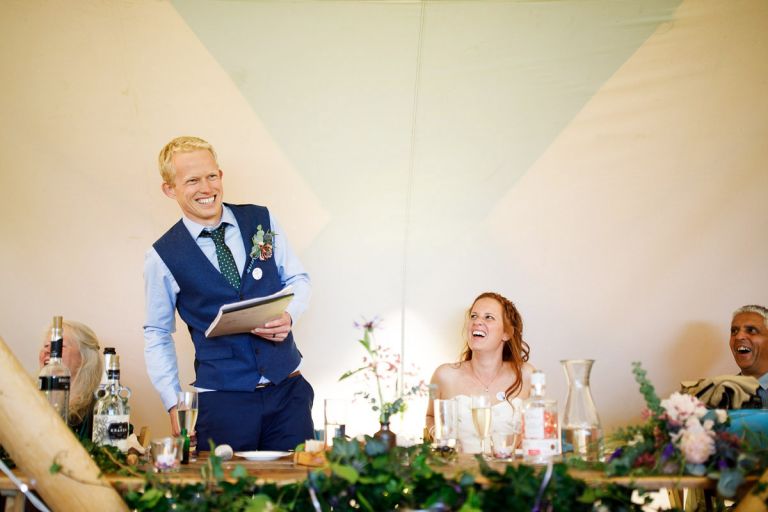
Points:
[582,435]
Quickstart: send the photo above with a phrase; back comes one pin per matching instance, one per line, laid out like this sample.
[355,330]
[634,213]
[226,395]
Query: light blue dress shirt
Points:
[161,290]
[763,380]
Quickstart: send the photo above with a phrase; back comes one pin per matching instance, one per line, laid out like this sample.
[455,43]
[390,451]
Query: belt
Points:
[269,384]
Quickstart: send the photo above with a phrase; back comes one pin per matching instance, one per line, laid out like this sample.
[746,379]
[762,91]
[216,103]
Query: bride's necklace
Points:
[485,386]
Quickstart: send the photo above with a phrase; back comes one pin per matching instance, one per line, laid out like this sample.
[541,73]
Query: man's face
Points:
[749,343]
[197,186]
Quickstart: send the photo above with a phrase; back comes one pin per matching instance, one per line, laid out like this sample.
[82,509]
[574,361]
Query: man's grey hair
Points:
[753,308]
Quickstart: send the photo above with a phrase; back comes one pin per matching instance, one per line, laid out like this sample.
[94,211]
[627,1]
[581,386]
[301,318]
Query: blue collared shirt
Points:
[161,290]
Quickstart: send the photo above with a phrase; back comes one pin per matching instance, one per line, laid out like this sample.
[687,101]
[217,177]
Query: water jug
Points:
[582,436]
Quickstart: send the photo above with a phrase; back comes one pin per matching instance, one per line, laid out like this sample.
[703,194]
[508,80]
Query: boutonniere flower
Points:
[263,242]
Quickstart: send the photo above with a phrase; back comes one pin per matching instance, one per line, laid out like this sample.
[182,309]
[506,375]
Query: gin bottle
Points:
[109,354]
[54,378]
[541,439]
[111,413]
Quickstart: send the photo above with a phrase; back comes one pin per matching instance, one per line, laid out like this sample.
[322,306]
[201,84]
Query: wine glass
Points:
[186,413]
[481,417]
[445,430]
[335,411]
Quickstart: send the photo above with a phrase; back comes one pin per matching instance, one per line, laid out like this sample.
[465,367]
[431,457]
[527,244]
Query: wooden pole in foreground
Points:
[34,436]
[754,502]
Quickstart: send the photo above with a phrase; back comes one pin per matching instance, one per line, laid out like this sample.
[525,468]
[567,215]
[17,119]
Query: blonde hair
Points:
[88,376]
[183,144]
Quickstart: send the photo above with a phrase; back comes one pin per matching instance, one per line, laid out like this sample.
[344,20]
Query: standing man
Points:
[252,395]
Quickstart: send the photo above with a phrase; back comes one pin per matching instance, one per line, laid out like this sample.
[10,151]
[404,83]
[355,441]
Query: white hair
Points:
[753,308]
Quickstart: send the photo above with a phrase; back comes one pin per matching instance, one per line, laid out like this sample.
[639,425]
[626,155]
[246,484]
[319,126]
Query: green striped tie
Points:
[224,256]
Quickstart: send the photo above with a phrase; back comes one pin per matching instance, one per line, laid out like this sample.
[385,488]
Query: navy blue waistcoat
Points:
[234,362]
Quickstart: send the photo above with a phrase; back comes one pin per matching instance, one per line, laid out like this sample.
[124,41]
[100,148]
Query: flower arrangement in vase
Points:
[381,367]
[681,436]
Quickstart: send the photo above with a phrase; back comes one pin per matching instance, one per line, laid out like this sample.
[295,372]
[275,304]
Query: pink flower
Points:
[679,407]
[265,251]
[696,442]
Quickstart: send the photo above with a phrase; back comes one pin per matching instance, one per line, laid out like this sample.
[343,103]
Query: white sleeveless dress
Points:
[503,417]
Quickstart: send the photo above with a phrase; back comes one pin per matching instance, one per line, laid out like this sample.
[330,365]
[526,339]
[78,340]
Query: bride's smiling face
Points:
[485,329]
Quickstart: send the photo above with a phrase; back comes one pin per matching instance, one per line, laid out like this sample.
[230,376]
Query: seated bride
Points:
[493,363]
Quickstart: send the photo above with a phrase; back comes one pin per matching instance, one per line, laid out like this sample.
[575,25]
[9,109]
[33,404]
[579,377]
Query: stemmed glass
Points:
[481,417]
[335,410]
[186,412]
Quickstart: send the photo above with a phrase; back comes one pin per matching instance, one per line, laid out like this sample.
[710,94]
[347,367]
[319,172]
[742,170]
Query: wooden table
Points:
[281,471]
[284,471]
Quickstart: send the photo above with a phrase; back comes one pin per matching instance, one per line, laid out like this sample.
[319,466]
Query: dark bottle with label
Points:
[111,414]
[54,378]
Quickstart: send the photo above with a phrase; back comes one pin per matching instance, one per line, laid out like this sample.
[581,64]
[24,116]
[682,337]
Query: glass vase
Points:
[582,435]
[386,436]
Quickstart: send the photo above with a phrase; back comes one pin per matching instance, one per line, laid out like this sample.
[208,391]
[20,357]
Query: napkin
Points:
[729,391]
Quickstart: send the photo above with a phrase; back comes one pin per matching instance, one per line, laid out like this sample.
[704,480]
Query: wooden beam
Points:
[35,436]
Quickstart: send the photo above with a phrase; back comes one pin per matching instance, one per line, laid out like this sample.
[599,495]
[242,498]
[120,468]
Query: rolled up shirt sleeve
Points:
[160,290]
[291,272]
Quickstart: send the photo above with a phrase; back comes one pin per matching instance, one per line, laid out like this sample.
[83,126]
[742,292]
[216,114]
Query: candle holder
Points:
[166,453]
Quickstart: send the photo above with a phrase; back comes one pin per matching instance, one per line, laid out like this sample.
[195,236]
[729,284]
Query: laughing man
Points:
[252,395]
[749,345]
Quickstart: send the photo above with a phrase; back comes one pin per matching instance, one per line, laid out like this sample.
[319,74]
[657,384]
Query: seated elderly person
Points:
[749,347]
[80,353]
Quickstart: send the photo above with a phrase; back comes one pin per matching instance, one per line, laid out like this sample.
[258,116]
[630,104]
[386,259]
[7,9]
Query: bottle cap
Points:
[57,341]
[538,378]
[109,350]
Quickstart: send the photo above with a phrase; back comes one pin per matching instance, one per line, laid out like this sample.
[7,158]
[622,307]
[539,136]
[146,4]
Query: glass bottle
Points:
[111,414]
[541,440]
[109,353]
[386,436]
[185,449]
[582,435]
[54,377]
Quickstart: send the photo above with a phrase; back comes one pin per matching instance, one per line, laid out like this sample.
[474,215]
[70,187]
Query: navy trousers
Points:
[271,418]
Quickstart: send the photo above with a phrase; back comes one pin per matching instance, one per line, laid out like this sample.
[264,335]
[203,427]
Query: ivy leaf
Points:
[348,473]
[344,450]
[364,502]
[151,498]
[259,503]
[214,463]
[239,472]
[374,447]
[473,503]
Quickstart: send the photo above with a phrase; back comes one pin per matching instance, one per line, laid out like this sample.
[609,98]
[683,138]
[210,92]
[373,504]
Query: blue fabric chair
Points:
[752,420]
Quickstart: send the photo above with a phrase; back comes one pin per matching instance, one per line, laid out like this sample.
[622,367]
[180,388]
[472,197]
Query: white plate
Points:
[261,455]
